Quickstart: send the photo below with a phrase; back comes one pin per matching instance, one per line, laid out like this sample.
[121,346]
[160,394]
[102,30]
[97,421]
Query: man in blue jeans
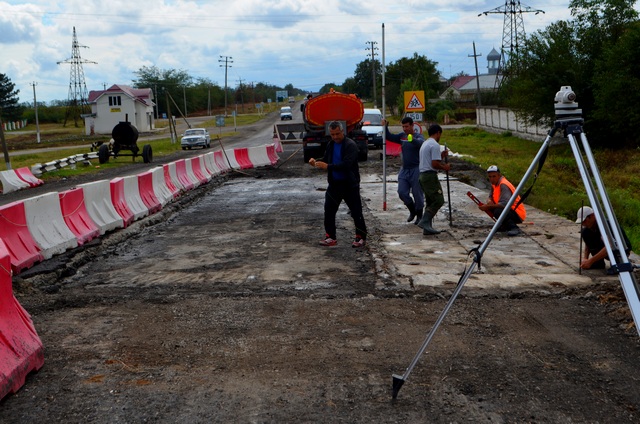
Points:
[409,175]
[341,163]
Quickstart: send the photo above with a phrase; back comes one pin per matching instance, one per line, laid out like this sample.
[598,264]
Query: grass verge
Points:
[559,188]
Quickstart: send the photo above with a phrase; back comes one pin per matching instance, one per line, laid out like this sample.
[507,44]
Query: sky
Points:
[307,43]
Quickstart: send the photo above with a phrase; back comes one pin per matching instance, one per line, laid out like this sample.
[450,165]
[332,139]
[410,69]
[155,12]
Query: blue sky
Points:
[306,42]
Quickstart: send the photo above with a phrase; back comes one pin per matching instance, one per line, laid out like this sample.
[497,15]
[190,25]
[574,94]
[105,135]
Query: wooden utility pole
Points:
[475,59]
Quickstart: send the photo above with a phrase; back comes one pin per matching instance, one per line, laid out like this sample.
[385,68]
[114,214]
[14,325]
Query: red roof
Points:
[138,94]
[461,81]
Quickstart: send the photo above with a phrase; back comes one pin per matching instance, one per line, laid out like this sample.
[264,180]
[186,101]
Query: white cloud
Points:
[304,42]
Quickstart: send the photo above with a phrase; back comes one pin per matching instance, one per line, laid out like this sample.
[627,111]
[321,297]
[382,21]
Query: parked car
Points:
[195,137]
[285,113]
[372,125]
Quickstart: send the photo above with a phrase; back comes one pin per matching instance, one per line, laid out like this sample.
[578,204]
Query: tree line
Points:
[594,52]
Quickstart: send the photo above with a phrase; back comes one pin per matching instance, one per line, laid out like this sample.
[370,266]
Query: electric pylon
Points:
[513,36]
[77,102]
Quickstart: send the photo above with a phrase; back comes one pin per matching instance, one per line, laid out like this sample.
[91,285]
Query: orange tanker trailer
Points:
[320,111]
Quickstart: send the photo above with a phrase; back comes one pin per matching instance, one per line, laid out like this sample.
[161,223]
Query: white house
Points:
[119,103]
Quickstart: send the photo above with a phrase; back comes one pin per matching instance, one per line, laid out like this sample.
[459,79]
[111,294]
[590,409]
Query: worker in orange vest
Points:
[501,192]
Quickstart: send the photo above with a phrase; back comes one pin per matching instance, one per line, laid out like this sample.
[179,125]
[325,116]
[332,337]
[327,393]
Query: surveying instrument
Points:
[568,119]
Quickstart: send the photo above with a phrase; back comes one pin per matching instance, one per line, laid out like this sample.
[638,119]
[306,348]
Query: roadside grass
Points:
[160,147]
[559,188]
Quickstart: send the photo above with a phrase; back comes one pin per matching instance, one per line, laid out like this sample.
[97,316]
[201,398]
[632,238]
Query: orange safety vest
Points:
[495,196]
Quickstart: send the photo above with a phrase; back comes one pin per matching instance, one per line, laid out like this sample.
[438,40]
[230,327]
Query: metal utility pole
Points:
[77,103]
[475,59]
[227,60]
[512,36]
[373,68]
[35,105]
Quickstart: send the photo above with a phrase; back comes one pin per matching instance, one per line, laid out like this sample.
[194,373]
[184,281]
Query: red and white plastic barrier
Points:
[21,349]
[259,157]
[147,193]
[221,161]
[75,215]
[210,163]
[23,250]
[242,158]
[169,179]
[133,199]
[192,176]
[183,176]
[11,181]
[196,169]
[119,201]
[160,188]
[97,199]
[272,154]
[27,176]
[47,226]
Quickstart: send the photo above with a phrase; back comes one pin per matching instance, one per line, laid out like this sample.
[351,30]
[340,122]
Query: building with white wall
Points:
[120,103]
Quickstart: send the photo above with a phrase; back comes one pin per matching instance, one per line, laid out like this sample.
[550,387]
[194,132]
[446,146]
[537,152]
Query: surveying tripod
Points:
[569,120]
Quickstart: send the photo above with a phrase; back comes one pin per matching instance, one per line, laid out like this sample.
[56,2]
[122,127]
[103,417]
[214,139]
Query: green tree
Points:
[417,73]
[617,87]
[164,82]
[583,53]
[327,87]
[548,62]
[9,107]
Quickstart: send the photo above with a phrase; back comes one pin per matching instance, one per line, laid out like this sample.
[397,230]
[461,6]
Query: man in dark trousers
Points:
[409,175]
[341,163]
[595,252]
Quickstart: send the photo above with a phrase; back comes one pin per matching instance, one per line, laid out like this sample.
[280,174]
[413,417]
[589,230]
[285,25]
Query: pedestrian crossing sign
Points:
[414,101]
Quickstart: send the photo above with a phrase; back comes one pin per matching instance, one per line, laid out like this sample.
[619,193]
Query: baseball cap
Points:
[583,213]
[493,168]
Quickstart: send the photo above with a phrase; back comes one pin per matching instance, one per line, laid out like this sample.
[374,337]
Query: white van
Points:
[372,125]
[285,113]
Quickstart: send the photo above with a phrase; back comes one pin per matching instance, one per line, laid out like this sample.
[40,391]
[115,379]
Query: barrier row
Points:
[40,168]
[17,179]
[37,228]
[14,125]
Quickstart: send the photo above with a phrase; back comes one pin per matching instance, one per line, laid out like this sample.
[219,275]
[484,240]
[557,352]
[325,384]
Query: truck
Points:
[323,109]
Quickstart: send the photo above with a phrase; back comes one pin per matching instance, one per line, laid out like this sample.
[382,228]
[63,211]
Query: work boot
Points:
[412,212]
[418,216]
[427,221]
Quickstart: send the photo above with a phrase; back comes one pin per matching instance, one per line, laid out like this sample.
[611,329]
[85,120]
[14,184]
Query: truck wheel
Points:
[103,154]
[147,153]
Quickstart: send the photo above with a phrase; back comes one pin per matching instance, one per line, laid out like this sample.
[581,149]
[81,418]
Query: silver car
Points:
[195,137]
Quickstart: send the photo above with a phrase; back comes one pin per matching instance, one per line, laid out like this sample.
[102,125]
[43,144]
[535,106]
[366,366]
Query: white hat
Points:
[493,168]
[583,213]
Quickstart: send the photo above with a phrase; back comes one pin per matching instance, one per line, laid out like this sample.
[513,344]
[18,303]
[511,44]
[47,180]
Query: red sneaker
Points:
[328,241]
[358,242]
